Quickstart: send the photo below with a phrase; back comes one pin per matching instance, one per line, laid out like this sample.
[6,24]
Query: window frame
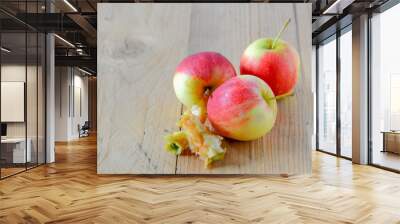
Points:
[381,9]
[334,37]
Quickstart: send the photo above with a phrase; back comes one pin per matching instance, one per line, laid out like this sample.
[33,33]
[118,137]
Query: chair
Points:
[84,130]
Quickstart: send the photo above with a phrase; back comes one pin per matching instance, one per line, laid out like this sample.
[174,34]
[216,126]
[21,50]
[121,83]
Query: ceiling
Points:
[76,21]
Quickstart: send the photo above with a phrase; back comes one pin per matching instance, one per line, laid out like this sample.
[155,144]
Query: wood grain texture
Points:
[391,142]
[286,149]
[70,191]
[225,28]
[138,52]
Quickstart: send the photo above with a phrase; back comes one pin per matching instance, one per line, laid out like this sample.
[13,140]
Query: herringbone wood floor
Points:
[70,191]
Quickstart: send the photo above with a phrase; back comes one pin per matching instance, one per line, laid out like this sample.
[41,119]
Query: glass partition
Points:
[334,94]
[327,96]
[14,155]
[32,96]
[22,101]
[385,89]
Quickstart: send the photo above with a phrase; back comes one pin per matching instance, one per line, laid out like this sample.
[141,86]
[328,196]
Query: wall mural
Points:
[204,89]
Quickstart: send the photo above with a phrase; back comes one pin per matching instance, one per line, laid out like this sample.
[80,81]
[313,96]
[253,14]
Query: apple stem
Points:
[280,33]
[207,92]
[281,97]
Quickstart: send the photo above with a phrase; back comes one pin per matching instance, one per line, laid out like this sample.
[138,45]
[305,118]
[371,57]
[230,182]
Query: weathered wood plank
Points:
[287,148]
[145,106]
[139,47]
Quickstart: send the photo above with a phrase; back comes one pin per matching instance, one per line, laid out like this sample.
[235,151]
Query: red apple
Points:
[243,108]
[200,74]
[274,61]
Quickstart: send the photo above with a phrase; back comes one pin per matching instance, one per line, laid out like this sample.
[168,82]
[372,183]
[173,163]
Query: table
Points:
[15,148]
[391,141]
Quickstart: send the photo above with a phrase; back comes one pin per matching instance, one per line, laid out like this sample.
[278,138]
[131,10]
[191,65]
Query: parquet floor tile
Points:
[70,191]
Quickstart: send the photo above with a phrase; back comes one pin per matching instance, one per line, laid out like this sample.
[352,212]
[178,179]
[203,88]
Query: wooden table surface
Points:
[139,47]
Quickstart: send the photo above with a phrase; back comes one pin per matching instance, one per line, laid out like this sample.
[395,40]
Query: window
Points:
[327,97]
[333,137]
[385,89]
[346,93]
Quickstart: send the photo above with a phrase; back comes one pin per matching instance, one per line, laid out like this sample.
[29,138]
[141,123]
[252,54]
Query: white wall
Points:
[62,81]
[17,73]
[70,81]
[12,73]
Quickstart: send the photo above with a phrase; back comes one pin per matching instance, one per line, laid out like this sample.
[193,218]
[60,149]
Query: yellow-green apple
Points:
[198,75]
[243,108]
[273,60]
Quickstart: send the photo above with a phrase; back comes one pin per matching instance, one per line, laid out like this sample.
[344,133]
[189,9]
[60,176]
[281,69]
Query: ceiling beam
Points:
[337,7]
[82,61]
[84,24]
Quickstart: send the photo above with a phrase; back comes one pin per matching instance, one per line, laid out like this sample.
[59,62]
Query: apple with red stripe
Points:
[274,61]
[198,75]
[243,108]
